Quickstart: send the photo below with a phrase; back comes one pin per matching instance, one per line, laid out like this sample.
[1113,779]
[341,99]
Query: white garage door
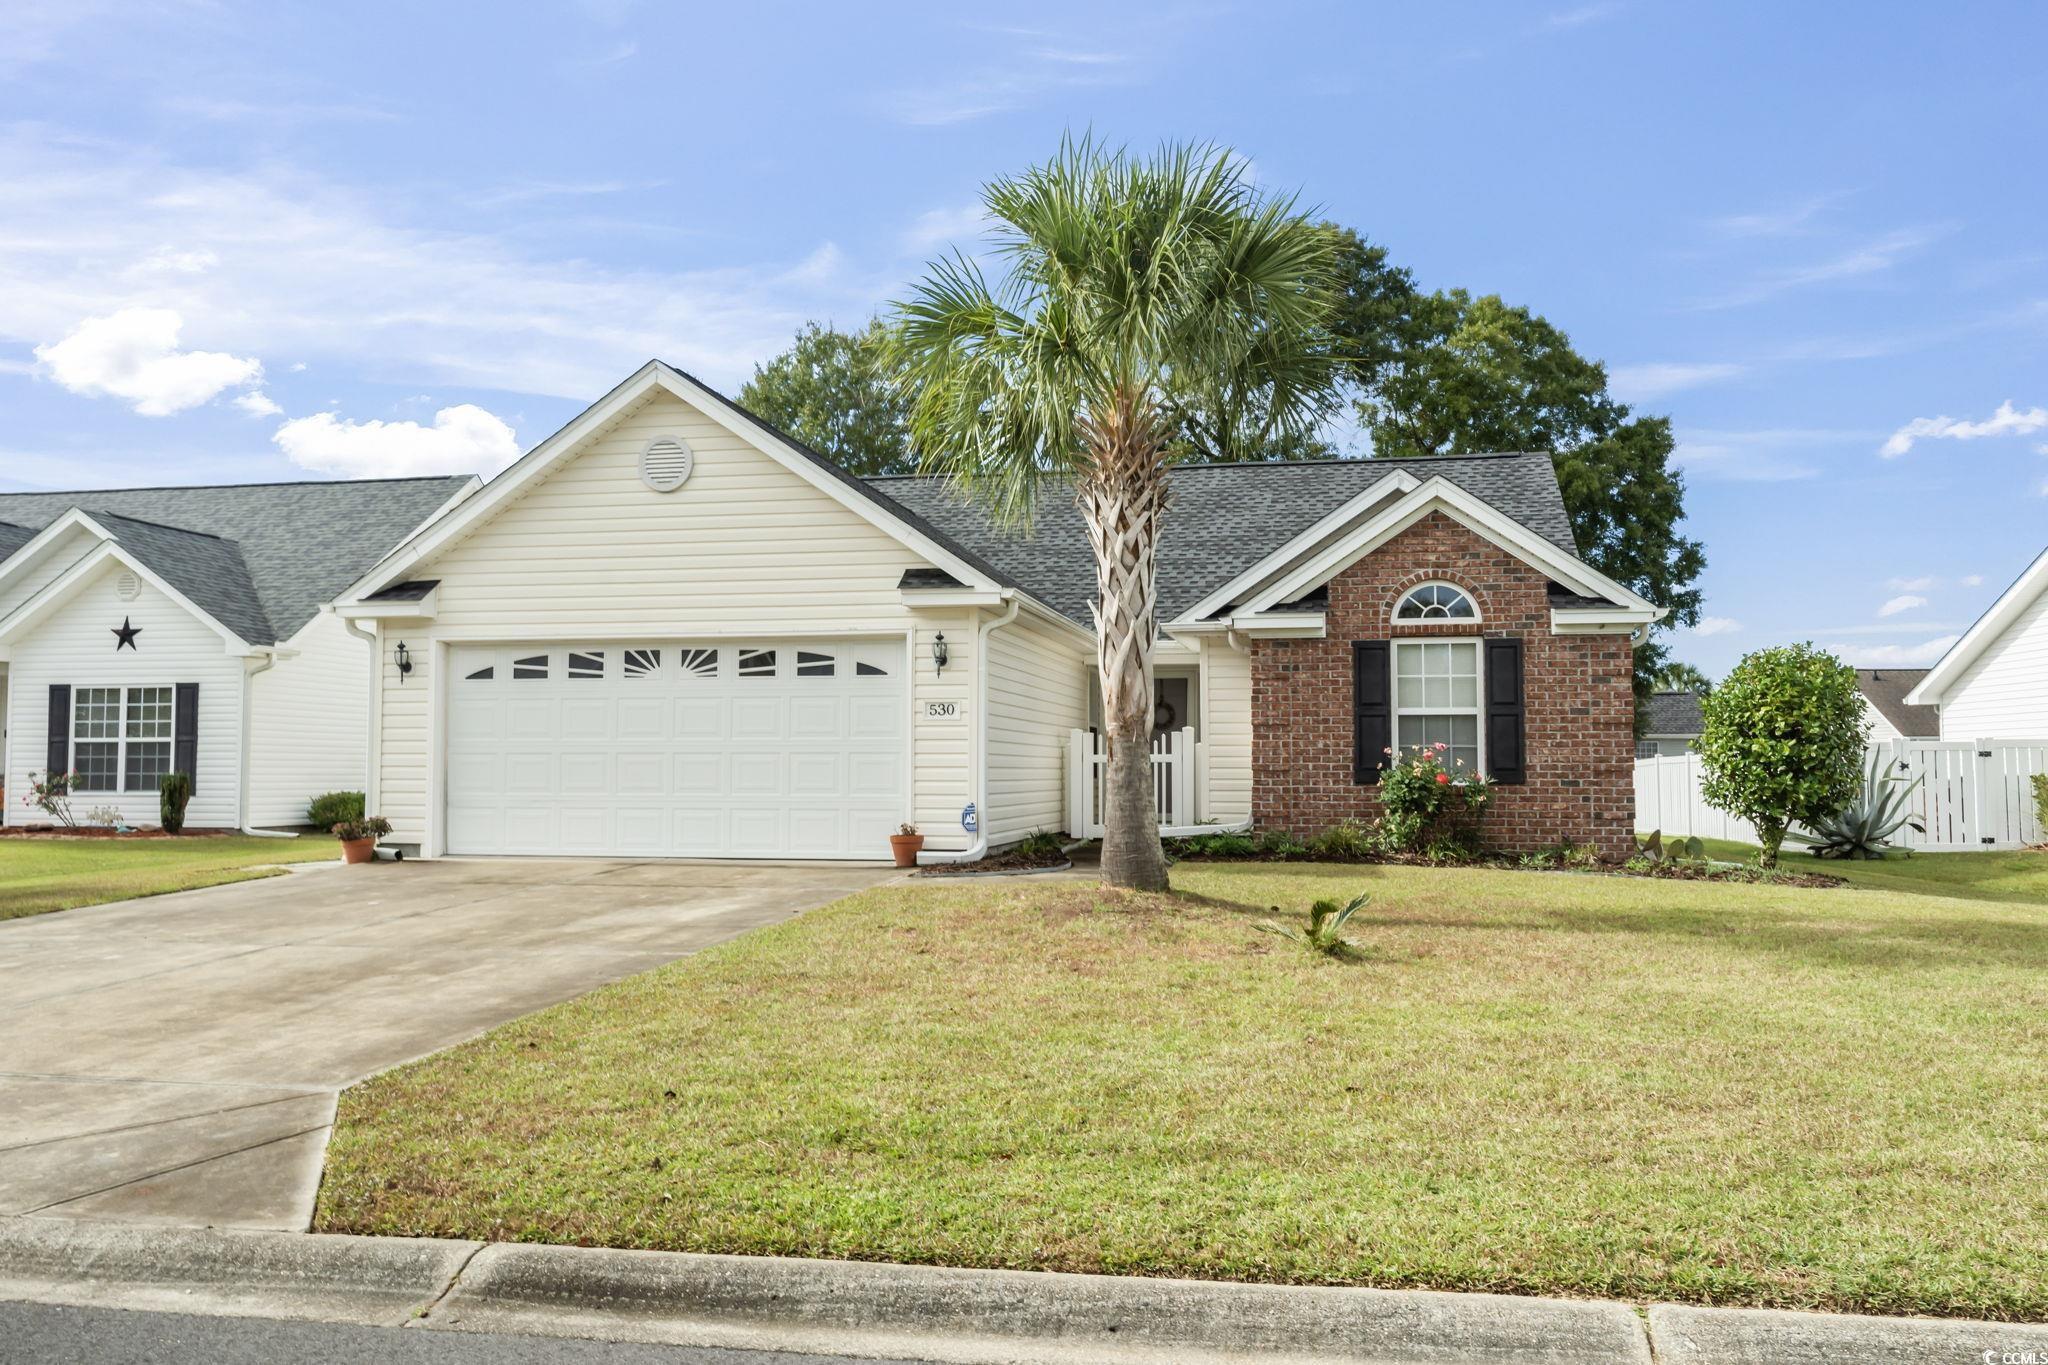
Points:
[770,750]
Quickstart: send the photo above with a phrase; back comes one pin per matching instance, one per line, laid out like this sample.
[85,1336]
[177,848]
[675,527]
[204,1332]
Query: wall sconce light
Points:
[403,659]
[939,653]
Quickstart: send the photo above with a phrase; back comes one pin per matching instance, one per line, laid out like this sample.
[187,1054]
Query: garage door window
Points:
[586,664]
[809,665]
[532,667]
[757,663]
[643,663]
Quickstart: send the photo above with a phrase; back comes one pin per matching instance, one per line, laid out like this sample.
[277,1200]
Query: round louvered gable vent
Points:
[666,463]
[128,586]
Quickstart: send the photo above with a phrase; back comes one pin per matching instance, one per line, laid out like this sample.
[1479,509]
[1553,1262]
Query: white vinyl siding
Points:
[2004,692]
[66,550]
[1037,695]
[309,722]
[74,645]
[746,551]
[1226,734]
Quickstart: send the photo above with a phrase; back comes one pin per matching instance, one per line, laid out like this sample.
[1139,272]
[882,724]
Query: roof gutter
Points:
[979,847]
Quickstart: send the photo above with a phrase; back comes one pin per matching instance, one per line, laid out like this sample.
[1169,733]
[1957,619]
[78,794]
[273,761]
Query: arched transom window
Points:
[1436,602]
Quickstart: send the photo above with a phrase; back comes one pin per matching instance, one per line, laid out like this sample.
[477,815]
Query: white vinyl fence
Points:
[1972,796]
[1175,759]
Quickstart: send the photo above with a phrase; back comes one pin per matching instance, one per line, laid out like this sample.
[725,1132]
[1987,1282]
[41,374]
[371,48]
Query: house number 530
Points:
[944,710]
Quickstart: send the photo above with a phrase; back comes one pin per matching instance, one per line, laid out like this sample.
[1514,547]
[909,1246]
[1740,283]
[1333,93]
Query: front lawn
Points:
[2021,875]
[61,874]
[1530,1083]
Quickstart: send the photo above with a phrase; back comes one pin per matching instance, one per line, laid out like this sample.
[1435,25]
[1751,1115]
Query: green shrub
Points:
[1041,843]
[1226,844]
[1343,842]
[348,831]
[1783,741]
[1280,843]
[1426,799]
[325,812]
[2040,784]
[173,791]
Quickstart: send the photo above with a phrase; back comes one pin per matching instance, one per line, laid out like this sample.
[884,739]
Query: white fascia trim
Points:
[59,589]
[933,598]
[419,609]
[1278,625]
[1602,621]
[649,377]
[1440,494]
[1948,670]
[1397,483]
[33,548]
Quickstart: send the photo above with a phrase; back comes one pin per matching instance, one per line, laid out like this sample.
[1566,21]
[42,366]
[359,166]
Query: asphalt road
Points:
[106,1336]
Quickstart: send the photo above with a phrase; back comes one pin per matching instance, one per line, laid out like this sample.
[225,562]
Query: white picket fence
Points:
[1176,756]
[1972,796]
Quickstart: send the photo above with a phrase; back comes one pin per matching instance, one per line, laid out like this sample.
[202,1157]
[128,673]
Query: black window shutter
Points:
[1505,713]
[185,733]
[57,752]
[1372,715]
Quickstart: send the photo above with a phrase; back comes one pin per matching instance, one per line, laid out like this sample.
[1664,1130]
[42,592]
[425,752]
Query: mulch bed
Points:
[1003,864]
[104,832]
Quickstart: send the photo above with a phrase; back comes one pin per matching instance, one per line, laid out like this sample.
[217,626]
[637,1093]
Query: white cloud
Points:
[1910,584]
[306,269]
[1898,656]
[941,227]
[1753,456]
[2007,421]
[1584,14]
[1973,580]
[1717,625]
[1904,602]
[1891,628]
[1874,257]
[257,403]
[133,355]
[1021,79]
[1783,222]
[1642,383]
[464,439]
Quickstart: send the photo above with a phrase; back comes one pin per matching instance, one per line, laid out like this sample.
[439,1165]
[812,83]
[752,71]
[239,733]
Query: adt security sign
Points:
[970,819]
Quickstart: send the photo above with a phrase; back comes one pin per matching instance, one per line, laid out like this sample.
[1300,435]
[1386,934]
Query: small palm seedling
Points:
[1325,932]
[1863,828]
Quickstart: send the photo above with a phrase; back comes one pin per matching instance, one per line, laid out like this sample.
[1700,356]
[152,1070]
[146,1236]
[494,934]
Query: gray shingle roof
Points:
[1886,690]
[13,537]
[271,553]
[1223,519]
[1673,713]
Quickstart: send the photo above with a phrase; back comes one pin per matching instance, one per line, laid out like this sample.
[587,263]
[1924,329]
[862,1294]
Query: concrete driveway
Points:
[177,1059]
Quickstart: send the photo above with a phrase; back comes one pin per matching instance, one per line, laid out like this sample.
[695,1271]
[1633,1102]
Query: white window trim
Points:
[1477,711]
[1474,619]
[121,739]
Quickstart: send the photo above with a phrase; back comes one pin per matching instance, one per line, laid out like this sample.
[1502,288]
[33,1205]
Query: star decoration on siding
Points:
[124,636]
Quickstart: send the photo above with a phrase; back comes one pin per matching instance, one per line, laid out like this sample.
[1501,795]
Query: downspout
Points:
[979,846]
[248,710]
[376,714]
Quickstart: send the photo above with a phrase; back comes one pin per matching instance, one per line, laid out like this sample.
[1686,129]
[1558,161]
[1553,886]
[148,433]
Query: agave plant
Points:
[1326,920]
[1863,827]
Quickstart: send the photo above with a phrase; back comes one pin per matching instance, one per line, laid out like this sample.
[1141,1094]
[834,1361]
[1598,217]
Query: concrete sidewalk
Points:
[876,1311]
[176,1059]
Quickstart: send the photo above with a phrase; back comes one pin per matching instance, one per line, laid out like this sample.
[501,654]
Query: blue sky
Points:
[247,242]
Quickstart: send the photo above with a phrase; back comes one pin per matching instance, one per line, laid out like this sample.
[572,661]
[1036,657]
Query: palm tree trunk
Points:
[1123,497]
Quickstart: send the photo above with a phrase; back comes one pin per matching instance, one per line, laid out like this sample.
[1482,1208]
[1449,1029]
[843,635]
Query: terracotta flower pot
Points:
[358,850]
[905,847]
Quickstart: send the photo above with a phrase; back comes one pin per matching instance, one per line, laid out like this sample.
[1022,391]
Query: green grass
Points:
[2017,876]
[38,875]
[1528,1083]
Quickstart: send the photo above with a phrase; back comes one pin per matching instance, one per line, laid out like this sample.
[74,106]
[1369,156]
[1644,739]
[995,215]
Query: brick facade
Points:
[1580,718]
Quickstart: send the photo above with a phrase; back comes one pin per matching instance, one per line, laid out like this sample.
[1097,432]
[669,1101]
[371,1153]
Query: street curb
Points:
[379,1281]
[1009,1317]
[1767,1336]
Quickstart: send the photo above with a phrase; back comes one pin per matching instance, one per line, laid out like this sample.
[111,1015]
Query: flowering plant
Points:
[1425,793]
[50,793]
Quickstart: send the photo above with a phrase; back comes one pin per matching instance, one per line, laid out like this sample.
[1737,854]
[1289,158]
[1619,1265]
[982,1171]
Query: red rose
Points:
[1443,779]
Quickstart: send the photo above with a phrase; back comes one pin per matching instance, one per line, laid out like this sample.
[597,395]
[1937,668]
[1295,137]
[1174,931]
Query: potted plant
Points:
[905,844]
[359,837]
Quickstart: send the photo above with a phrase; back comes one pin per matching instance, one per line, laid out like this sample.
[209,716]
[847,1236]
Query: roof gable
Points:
[1886,690]
[299,544]
[206,570]
[1673,713]
[2011,605]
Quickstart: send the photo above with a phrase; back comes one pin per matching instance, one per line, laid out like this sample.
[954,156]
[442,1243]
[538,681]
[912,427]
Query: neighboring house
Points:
[1993,682]
[669,629]
[1672,722]
[146,630]
[1886,709]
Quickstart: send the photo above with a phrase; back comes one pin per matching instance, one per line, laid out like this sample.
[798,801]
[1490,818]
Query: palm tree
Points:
[1131,287]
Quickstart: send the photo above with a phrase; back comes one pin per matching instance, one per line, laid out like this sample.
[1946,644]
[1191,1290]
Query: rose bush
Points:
[1428,797]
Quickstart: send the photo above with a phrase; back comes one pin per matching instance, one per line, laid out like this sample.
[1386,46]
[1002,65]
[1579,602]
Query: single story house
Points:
[1993,682]
[1886,710]
[1672,722]
[670,629]
[151,630]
